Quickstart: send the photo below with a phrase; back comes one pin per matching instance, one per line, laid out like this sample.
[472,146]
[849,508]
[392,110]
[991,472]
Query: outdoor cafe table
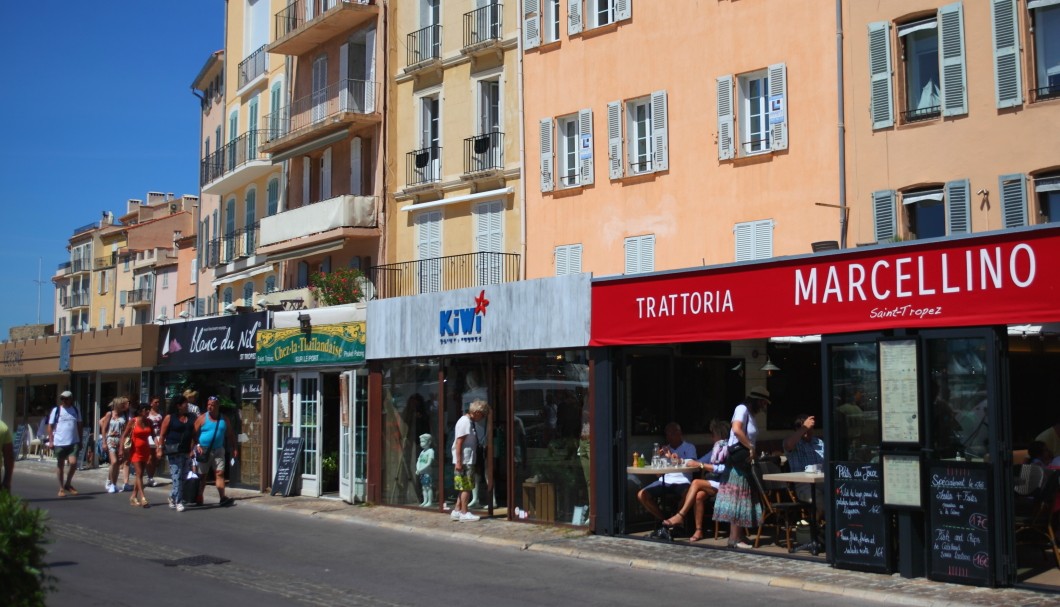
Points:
[803,477]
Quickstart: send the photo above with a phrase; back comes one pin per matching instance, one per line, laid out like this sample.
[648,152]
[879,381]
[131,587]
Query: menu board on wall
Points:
[901,477]
[899,403]
[861,531]
[960,545]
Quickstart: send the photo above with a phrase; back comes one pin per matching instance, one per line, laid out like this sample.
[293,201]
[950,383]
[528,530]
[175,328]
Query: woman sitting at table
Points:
[713,469]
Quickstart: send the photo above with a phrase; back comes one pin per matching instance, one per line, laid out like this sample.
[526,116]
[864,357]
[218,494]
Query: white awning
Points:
[327,247]
[455,199]
[1033,4]
[912,197]
[916,26]
[242,275]
[1047,184]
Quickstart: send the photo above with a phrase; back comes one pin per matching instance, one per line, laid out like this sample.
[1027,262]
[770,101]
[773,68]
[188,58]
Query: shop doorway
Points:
[467,380]
[353,435]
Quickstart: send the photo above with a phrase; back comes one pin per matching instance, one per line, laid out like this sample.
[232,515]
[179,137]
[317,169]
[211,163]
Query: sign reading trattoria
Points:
[341,343]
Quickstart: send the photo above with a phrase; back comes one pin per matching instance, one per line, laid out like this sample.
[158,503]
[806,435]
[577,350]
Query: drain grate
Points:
[192,561]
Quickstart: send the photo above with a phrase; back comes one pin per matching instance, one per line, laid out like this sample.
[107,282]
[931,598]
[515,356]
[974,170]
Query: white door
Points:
[296,406]
[353,436]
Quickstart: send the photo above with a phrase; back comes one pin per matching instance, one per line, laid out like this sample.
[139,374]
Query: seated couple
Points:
[696,492]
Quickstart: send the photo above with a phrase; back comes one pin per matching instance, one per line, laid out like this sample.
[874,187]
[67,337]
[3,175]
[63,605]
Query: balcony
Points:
[305,24]
[482,30]
[236,164]
[423,167]
[86,227]
[136,297]
[103,263]
[79,299]
[483,155]
[237,245]
[328,110]
[338,213]
[79,265]
[252,67]
[443,274]
[424,49]
[63,269]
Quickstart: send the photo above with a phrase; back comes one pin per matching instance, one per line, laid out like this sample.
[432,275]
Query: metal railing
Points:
[484,152]
[253,66]
[423,166]
[345,96]
[1049,91]
[79,299]
[234,245]
[105,262]
[137,296]
[924,113]
[87,227]
[641,166]
[300,12]
[213,252]
[424,44]
[482,25]
[443,274]
[233,155]
[79,264]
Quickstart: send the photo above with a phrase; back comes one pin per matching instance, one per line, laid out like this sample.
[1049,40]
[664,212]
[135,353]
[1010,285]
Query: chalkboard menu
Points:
[20,440]
[82,455]
[287,466]
[862,533]
[960,545]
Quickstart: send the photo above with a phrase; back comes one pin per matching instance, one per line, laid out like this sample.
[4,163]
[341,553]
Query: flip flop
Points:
[62,493]
[70,489]
[675,520]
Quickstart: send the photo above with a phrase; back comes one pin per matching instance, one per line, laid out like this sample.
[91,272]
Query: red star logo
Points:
[480,303]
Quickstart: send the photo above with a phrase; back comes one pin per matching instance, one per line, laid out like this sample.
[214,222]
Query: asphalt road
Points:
[105,552]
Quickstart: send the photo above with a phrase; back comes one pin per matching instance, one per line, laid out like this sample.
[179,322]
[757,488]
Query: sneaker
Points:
[467,517]
[151,482]
[180,507]
[455,515]
[226,501]
[127,487]
[111,488]
[172,504]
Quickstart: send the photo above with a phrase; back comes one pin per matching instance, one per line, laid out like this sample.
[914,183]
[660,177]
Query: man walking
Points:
[212,434]
[64,424]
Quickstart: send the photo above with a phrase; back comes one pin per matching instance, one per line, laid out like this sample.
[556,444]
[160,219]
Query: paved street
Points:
[325,552]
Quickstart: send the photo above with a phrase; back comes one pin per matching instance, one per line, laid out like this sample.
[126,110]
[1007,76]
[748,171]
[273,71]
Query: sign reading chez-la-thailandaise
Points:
[1008,277]
[525,315]
[219,342]
[340,343]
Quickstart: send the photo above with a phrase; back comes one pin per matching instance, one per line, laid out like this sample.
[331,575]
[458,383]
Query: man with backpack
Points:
[64,425]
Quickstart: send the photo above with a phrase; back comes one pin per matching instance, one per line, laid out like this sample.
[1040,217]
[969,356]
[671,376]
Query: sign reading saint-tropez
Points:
[222,341]
[321,345]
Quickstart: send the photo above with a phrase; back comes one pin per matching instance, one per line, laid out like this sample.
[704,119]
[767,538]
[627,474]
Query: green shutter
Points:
[958,210]
[881,103]
[1008,89]
[951,60]
[884,215]
[1013,200]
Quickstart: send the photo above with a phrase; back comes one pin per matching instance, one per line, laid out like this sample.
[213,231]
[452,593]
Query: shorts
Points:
[67,451]
[659,489]
[215,462]
[426,480]
[465,480]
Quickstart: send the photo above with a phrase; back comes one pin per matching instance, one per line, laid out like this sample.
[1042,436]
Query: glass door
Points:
[307,426]
[353,436]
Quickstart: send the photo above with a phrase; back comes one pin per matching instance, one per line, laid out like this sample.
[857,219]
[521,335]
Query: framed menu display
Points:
[899,400]
[901,481]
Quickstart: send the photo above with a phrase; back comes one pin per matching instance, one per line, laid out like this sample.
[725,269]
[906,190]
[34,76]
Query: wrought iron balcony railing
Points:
[253,66]
[924,113]
[346,96]
[482,25]
[78,299]
[86,227]
[233,155]
[105,262]
[235,245]
[296,14]
[484,152]
[423,166]
[443,274]
[1049,91]
[424,44]
[137,296]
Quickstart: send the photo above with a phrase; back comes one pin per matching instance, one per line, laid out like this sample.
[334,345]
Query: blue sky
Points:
[97,109]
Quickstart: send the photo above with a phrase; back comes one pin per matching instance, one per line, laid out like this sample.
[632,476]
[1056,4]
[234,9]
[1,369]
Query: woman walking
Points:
[140,431]
[155,415]
[176,435]
[112,427]
[736,504]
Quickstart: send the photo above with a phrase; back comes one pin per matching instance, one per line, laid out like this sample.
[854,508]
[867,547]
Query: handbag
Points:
[739,458]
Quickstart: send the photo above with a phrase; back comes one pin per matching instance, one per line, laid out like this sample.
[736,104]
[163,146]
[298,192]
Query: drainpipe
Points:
[843,210]
[381,144]
[522,142]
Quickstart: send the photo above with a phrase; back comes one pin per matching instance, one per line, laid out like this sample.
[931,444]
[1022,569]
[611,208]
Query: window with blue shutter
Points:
[881,104]
[1008,88]
[1013,200]
[951,56]
[883,215]
[958,207]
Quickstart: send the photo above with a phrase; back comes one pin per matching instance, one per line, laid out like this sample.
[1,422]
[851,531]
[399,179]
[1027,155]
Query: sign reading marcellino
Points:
[219,342]
[342,343]
[1003,278]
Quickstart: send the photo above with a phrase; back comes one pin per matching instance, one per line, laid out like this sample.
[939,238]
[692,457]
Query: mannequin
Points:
[424,469]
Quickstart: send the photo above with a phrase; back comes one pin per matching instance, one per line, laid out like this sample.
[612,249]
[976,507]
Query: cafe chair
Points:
[1035,496]
[782,510]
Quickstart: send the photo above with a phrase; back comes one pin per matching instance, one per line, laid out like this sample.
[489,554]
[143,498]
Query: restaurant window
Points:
[410,411]
[855,402]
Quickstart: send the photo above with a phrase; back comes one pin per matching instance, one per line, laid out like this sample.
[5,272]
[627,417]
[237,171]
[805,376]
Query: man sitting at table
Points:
[803,449]
[674,483]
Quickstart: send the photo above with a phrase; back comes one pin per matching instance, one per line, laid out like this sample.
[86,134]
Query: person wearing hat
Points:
[736,504]
[64,428]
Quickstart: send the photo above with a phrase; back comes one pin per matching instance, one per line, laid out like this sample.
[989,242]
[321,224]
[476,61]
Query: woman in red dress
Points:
[141,432]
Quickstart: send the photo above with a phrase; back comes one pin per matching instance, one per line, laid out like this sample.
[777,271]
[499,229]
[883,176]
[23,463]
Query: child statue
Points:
[425,469]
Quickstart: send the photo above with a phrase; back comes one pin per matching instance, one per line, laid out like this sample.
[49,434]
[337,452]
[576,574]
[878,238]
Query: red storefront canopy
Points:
[1003,278]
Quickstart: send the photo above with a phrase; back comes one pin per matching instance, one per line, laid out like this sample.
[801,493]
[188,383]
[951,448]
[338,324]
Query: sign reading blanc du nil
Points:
[341,343]
[220,341]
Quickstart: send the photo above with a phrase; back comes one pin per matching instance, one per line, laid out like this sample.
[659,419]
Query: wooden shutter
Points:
[574,17]
[531,24]
[623,9]
[429,251]
[659,132]
[884,215]
[1008,89]
[725,118]
[951,59]
[632,255]
[881,103]
[640,254]
[306,178]
[547,182]
[958,210]
[1013,200]
[778,89]
[615,164]
[356,173]
[585,130]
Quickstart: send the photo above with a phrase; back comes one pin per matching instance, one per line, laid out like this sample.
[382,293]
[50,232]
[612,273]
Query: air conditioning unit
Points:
[173,208]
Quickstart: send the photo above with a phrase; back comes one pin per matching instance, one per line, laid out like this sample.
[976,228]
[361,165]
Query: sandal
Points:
[144,504]
[134,502]
[62,493]
[70,489]
[698,535]
[674,520]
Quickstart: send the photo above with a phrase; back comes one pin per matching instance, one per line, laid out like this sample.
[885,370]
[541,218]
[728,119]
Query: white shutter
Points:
[763,239]
[647,253]
[1008,89]
[356,183]
[951,60]
[659,132]
[725,118]
[369,60]
[585,130]
[429,249]
[632,255]
[1013,200]
[123,298]
[884,215]
[616,165]
[562,264]
[531,24]
[547,183]
[574,17]
[574,259]
[881,104]
[306,178]
[958,211]
[325,175]
[744,233]
[623,9]
[489,238]
[778,87]
[344,75]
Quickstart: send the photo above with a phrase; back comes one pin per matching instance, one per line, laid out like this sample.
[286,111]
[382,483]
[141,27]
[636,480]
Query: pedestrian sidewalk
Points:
[740,566]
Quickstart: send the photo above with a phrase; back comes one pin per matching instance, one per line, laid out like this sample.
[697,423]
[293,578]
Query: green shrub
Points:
[22,531]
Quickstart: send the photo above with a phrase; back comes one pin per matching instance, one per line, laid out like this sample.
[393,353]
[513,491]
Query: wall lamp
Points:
[303,321]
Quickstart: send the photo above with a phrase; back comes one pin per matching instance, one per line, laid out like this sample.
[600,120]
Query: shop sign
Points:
[220,342]
[342,343]
[250,389]
[13,359]
[1003,278]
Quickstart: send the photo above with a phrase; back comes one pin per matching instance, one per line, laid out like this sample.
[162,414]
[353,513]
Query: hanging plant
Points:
[342,286]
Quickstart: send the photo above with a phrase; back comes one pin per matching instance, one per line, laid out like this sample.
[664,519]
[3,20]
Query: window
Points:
[597,13]
[602,12]
[273,196]
[427,165]
[550,25]
[639,128]
[274,111]
[227,298]
[248,294]
[429,250]
[754,240]
[230,229]
[270,284]
[640,254]
[573,149]
[194,278]
[568,259]
[923,98]
[752,112]
[320,88]
[165,280]
[489,241]
[931,212]
[647,144]
[1046,19]
[925,213]
[1013,200]
[568,151]
[302,279]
